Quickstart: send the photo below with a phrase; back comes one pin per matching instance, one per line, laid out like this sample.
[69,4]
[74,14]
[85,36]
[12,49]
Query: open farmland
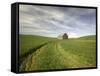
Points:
[44,53]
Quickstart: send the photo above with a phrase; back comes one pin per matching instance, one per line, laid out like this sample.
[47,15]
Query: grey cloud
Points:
[48,20]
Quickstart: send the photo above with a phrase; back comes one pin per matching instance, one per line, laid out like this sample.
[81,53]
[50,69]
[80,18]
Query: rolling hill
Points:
[89,37]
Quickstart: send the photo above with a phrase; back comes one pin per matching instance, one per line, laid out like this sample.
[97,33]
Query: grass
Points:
[84,50]
[51,53]
[28,42]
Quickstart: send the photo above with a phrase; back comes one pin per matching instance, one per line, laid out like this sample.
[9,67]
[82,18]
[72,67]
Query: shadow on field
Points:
[32,50]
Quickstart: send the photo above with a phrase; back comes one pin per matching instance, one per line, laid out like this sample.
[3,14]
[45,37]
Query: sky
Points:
[52,21]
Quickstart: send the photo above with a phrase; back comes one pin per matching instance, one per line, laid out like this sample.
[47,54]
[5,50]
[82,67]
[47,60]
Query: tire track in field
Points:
[71,60]
[48,58]
[30,61]
[44,58]
[30,51]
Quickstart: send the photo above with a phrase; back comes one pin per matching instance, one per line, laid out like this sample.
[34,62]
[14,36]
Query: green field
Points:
[44,53]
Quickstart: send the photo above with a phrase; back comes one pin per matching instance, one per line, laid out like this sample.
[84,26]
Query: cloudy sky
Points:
[53,21]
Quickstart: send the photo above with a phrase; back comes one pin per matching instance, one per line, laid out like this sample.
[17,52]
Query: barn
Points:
[63,36]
